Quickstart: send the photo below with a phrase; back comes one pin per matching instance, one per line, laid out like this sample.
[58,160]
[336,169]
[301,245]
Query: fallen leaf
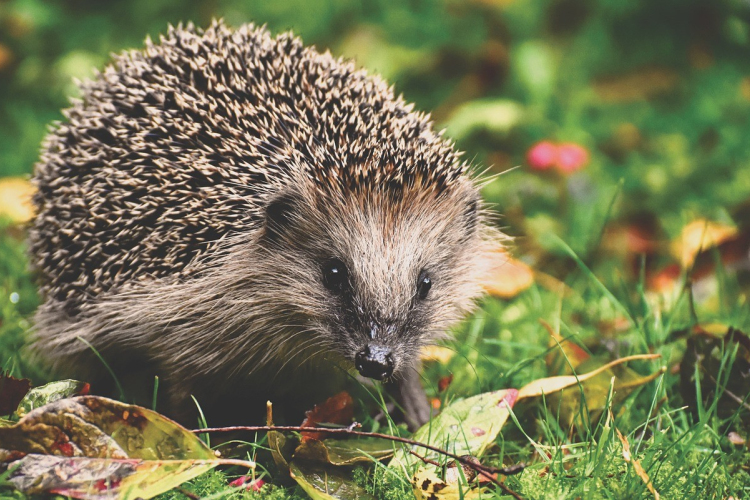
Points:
[49,393]
[95,448]
[455,472]
[15,199]
[338,409]
[507,277]
[12,392]
[553,384]
[445,382]
[664,280]
[280,447]
[344,452]
[104,478]
[736,439]
[248,483]
[465,427]
[322,482]
[698,236]
[596,391]
[429,486]
[436,353]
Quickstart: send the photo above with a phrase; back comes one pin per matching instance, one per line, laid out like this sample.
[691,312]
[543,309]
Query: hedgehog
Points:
[248,218]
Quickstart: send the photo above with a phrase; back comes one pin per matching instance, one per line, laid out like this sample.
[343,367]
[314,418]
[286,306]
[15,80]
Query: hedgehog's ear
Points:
[279,213]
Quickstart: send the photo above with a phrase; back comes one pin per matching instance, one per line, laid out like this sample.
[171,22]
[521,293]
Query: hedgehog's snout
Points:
[374,361]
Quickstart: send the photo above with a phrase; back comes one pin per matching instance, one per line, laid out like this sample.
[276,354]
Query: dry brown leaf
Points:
[636,464]
[736,439]
[15,199]
[338,409]
[507,277]
[700,235]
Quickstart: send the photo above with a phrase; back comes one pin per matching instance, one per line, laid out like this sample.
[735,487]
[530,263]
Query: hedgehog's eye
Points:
[335,275]
[424,283]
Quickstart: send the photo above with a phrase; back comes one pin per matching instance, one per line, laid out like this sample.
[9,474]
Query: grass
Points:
[569,443]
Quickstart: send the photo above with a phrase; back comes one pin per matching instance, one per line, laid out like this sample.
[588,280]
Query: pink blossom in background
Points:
[542,155]
[567,157]
[571,157]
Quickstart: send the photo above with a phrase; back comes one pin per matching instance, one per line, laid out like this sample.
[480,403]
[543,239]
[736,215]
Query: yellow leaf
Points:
[15,199]
[700,235]
[507,277]
[436,353]
[553,384]
[429,486]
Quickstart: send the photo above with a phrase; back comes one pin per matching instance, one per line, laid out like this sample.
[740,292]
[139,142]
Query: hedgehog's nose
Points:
[374,361]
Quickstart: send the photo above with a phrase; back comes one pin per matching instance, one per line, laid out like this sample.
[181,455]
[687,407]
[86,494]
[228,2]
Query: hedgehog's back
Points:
[175,147]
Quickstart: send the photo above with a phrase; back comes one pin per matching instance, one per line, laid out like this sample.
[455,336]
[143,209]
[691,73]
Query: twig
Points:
[425,459]
[480,468]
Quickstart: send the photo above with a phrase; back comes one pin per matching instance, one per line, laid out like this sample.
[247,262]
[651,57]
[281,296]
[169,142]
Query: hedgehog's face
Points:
[376,280]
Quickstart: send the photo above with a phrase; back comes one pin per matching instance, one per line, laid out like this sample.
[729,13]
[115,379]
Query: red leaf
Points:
[248,483]
[444,382]
[338,409]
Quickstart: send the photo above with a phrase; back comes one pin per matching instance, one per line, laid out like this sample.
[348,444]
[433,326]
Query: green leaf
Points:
[49,393]
[344,451]
[466,427]
[323,482]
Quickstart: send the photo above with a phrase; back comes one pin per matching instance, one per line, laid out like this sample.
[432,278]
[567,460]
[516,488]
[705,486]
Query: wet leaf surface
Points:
[344,451]
[322,482]
[338,409]
[466,427]
[96,448]
[49,393]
